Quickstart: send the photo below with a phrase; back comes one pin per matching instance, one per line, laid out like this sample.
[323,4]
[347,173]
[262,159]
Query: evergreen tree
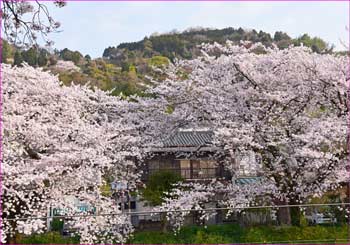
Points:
[69,55]
[87,57]
[18,59]
[279,36]
[6,51]
[30,56]
[42,59]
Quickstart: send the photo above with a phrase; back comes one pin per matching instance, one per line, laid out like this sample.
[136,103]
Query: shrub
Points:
[48,238]
[233,233]
[158,184]
[158,61]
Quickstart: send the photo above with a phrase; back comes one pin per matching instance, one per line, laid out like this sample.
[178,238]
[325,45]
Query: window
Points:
[132,205]
[185,166]
[198,169]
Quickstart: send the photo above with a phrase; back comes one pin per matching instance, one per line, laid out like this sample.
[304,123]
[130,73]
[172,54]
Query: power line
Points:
[176,211]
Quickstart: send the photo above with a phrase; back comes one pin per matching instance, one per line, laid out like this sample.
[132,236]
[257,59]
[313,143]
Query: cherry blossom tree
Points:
[289,107]
[24,22]
[192,197]
[59,142]
[68,66]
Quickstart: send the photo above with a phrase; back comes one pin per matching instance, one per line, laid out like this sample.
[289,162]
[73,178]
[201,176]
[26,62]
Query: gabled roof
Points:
[190,139]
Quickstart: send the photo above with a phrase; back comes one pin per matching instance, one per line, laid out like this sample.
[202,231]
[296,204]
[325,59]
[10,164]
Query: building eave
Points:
[187,149]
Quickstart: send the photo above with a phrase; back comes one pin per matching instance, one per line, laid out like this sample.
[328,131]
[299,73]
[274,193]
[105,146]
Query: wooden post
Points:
[48,219]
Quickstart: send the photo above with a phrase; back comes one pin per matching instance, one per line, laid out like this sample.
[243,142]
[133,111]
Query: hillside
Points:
[124,68]
[185,44]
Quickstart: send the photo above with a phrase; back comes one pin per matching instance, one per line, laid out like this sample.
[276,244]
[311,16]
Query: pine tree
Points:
[18,59]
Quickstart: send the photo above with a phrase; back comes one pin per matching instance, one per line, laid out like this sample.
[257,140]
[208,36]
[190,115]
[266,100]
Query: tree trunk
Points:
[295,214]
[283,214]
[164,222]
[289,215]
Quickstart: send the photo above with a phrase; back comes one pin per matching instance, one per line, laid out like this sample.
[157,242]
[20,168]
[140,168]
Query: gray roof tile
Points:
[190,138]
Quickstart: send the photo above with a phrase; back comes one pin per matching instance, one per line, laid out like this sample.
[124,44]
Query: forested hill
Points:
[125,68]
[185,44]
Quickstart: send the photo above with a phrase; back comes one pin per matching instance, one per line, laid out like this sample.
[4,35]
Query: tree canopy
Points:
[288,108]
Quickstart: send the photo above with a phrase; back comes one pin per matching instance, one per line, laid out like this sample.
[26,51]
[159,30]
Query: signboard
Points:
[81,208]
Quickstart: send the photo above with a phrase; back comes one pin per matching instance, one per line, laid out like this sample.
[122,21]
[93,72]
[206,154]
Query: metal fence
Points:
[333,217]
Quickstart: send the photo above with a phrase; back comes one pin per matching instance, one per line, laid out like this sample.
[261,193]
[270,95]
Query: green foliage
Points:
[169,45]
[43,58]
[125,89]
[57,224]
[157,185]
[18,59]
[108,51]
[30,56]
[213,234]
[33,57]
[106,190]
[182,74]
[264,37]
[87,57]
[77,77]
[303,221]
[148,47]
[158,61]
[47,238]
[185,44]
[279,36]
[6,51]
[283,234]
[202,237]
[233,233]
[124,68]
[69,55]
[105,76]
[169,109]
[153,237]
[316,44]
[332,197]
[132,69]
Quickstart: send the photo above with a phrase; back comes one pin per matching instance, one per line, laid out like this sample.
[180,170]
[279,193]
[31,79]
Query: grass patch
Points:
[46,238]
[233,233]
[218,234]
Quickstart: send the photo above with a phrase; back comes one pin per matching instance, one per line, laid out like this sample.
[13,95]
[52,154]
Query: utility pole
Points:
[48,220]
[122,202]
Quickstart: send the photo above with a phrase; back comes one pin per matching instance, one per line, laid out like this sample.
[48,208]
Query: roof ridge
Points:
[190,138]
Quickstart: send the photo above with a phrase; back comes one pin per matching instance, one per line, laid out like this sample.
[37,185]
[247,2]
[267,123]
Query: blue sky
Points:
[89,27]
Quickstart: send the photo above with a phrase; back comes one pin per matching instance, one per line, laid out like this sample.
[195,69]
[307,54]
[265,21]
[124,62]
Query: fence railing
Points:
[334,217]
[191,173]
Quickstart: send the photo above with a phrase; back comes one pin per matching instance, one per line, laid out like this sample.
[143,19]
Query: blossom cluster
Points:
[289,107]
[61,142]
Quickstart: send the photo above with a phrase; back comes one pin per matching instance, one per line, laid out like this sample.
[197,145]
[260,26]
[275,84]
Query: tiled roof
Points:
[190,139]
[247,180]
